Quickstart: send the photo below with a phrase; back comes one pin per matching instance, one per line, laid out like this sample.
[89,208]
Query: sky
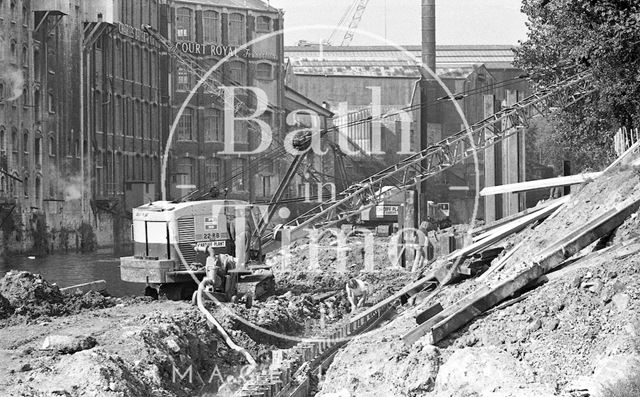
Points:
[457,21]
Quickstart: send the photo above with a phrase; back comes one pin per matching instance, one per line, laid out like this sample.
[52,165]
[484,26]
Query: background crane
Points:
[353,14]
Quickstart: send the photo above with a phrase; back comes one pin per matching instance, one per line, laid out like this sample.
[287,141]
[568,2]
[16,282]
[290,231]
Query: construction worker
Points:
[422,246]
[357,292]
[219,265]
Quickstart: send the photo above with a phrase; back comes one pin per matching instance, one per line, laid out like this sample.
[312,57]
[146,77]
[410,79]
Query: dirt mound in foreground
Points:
[31,296]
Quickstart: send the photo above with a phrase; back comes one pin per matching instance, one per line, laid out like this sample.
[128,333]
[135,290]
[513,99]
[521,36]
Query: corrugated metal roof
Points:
[386,56]
[257,5]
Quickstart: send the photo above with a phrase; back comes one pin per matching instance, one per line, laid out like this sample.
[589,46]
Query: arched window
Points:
[2,144]
[25,187]
[25,142]
[25,16]
[183,77]
[183,24]
[52,145]
[37,151]
[185,127]
[263,24]
[237,30]
[25,56]
[13,9]
[264,71]
[36,103]
[211,27]
[14,140]
[14,54]
[237,72]
[36,64]
[38,190]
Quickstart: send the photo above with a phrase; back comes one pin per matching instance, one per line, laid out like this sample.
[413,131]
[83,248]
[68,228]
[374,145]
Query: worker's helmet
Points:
[353,283]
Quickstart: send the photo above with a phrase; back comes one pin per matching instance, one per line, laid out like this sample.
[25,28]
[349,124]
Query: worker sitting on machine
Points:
[217,267]
[357,292]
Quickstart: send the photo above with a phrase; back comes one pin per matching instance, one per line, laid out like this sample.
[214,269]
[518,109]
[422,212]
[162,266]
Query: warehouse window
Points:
[264,71]
[213,170]
[241,131]
[184,171]
[14,140]
[183,24]
[239,170]
[51,103]
[237,72]
[37,151]
[52,145]
[210,26]
[183,80]
[212,126]
[185,128]
[263,24]
[236,29]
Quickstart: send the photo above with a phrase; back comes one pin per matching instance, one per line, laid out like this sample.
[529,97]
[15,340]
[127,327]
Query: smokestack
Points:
[429,33]
[428,115]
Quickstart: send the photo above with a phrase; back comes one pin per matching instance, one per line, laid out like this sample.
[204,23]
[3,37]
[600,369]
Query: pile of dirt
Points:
[6,310]
[160,348]
[556,338]
[30,296]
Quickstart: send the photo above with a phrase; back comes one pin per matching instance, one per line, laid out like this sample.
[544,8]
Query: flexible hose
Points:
[219,327]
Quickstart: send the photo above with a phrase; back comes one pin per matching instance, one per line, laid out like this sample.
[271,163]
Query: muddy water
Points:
[70,269]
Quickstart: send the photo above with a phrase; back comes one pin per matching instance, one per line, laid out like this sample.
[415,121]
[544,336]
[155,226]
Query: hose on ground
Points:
[219,327]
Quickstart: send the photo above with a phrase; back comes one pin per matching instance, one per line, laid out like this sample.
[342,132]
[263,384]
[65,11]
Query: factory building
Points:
[351,79]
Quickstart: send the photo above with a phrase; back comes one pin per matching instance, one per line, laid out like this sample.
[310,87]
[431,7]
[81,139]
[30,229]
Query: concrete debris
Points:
[65,344]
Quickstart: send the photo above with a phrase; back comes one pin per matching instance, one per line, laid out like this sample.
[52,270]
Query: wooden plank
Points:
[488,227]
[540,184]
[428,313]
[482,303]
[551,258]
[506,230]
[424,328]
[500,264]
[98,286]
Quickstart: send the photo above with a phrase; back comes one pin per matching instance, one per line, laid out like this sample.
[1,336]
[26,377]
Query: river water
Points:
[71,269]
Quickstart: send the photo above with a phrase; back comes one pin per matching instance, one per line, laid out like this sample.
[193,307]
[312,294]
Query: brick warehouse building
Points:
[126,108]
[67,167]
[221,26]
[40,127]
[483,75]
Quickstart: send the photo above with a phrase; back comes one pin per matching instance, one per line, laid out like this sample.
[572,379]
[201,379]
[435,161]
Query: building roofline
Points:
[411,47]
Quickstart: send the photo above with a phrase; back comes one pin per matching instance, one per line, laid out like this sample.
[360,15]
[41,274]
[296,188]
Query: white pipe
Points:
[219,327]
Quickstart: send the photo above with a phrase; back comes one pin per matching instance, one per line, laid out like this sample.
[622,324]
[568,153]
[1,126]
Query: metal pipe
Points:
[223,333]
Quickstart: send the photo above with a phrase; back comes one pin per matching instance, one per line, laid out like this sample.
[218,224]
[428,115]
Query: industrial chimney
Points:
[429,33]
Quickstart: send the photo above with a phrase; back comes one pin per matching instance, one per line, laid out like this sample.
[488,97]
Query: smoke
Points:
[10,75]
[13,80]
[73,189]
[70,185]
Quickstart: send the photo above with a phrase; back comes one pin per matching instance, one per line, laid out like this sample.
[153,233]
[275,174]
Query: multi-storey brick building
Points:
[209,30]
[40,126]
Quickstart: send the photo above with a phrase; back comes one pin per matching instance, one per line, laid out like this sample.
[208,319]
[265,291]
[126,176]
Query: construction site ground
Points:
[574,333]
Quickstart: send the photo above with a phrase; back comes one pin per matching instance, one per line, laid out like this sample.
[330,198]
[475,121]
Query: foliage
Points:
[599,36]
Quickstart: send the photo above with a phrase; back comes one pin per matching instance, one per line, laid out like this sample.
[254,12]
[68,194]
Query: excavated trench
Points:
[97,345]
